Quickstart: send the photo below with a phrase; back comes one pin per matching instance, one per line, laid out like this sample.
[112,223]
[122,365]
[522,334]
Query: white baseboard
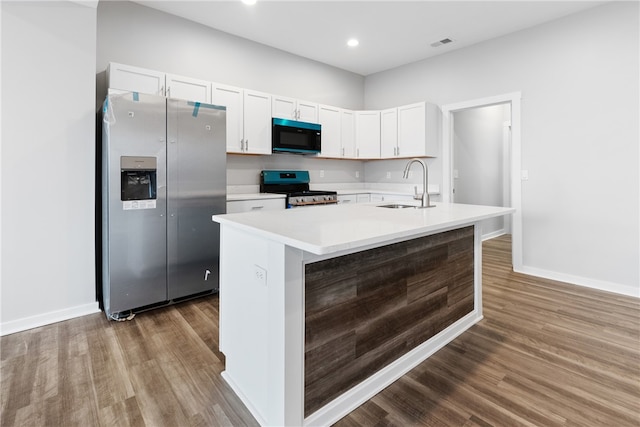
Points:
[493,234]
[26,323]
[600,285]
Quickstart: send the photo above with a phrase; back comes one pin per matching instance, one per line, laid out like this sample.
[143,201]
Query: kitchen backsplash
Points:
[243,171]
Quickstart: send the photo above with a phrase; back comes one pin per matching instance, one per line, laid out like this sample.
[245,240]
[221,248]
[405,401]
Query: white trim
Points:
[247,402]
[493,234]
[600,285]
[44,319]
[514,98]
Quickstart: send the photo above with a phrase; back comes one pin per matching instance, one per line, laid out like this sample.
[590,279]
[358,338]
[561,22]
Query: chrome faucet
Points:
[425,202]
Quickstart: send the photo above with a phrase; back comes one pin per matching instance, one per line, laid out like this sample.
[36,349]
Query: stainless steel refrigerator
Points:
[163,177]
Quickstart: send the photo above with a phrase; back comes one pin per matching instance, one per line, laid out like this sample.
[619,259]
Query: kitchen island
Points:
[321,308]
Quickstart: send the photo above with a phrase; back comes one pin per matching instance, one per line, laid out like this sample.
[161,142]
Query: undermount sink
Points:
[396,206]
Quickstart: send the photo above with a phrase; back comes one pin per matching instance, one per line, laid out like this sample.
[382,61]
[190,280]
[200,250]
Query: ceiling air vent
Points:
[441,42]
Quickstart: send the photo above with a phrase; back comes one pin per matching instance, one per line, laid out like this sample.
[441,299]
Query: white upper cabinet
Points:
[348,133]
[231,97]
[248,119]
[257,122]
[134,79]
[338,132]
[408,131]
[186,88]
[418,130]
[331,140]
[389,133]
[367,134]
[294,109]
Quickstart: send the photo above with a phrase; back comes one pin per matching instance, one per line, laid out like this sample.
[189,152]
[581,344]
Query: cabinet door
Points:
[232,98]
[368,134]
[238,206]
[347,198]
[348,133]
[418,129]
[307,112]
[134,79]
[363,198]
[189,89]
[257,122]
[284,108]
[389,133]
[329,119]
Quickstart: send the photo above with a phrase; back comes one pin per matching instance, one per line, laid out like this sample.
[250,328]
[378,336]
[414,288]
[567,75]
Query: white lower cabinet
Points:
[347,198]
[239,206]
[378,197]
[353,198]
[362,198]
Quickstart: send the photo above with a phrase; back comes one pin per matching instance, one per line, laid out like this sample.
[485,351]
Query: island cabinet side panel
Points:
[365,310]
[252,321]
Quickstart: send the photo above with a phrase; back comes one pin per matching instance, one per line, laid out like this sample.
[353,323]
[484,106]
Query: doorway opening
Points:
[481,160]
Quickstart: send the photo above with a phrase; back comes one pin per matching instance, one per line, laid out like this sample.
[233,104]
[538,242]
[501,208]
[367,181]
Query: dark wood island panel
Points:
[367,309]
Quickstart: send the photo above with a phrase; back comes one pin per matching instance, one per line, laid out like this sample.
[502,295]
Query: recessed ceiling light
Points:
[353,42]
[249,2]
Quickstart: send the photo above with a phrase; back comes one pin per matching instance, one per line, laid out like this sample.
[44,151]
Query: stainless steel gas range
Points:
[295,184]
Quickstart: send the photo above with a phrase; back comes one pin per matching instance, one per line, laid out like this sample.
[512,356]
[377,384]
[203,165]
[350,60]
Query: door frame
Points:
[514,98]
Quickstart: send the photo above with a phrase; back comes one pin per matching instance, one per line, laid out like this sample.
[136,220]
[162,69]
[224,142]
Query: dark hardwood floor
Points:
[545,354]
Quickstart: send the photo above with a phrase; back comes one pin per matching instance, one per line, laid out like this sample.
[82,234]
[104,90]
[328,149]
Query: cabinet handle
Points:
[342,151]
[357,152]
[161,90]
[255,208]
[242,145]
[246,144]
[397,151]
[168,91]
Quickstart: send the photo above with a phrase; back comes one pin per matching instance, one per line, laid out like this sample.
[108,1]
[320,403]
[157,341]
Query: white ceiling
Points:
[391,33]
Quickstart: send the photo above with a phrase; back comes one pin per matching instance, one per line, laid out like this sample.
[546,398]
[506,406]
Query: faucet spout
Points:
[425,201]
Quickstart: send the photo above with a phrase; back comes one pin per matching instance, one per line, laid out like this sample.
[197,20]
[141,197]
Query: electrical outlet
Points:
[388,175]
[321,174]
[260,275]
[524,175]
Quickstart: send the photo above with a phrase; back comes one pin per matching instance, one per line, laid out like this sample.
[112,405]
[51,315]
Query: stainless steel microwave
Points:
[290,136]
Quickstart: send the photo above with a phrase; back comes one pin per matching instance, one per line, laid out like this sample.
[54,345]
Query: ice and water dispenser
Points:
[138,178]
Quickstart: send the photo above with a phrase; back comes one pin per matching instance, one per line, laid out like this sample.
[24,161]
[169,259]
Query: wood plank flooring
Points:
[546,354]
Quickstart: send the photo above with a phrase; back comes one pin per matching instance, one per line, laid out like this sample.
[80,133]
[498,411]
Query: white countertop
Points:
[328,229]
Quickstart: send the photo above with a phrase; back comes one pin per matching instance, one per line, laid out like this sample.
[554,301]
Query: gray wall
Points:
[48,119]
[479,159]
[579,81]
